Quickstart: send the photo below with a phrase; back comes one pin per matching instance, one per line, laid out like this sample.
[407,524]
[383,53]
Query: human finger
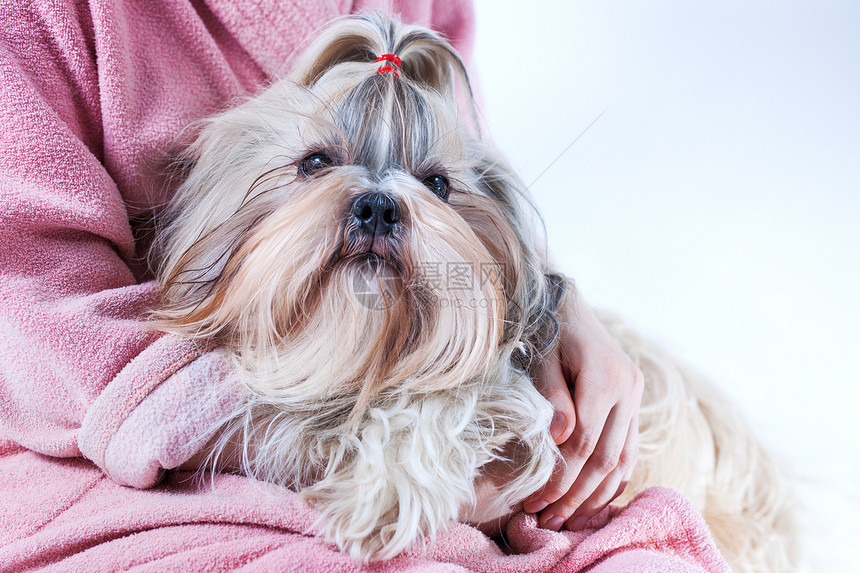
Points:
[550,381]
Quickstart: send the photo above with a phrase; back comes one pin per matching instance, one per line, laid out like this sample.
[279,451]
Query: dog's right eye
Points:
[313,163]
[438,185]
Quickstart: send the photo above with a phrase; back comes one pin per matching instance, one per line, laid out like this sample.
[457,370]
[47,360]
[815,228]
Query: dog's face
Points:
[346,225]
[367,261]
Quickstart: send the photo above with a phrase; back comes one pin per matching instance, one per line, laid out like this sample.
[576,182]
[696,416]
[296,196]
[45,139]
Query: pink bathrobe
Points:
[89,92]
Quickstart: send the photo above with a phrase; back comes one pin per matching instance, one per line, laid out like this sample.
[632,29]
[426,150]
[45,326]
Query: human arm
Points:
[77,358]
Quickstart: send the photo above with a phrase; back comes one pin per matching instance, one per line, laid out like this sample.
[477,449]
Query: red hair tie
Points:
[394,59]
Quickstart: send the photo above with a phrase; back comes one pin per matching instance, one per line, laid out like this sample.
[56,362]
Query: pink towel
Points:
[66,515]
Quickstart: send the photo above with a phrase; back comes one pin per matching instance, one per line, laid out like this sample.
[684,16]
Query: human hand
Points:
[595,425]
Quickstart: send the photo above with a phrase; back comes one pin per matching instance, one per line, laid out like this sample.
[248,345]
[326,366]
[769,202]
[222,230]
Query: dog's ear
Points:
[346,40]
[425,58]
[533,288]
[432,62]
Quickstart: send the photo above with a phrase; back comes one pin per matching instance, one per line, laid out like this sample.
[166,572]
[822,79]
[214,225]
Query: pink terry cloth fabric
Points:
[89,93]
[65,515]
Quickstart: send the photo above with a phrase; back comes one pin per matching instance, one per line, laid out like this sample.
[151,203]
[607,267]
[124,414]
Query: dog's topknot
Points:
[426,58]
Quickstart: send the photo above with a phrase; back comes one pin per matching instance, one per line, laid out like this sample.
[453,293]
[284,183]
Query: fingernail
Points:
[578,523]
[554,523]
[534,506]
[557,426]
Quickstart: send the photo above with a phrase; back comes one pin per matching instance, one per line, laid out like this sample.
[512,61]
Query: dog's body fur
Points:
[384,411]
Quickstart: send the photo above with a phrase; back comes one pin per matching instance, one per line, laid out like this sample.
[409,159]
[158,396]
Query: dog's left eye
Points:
[314,162]
[438,185]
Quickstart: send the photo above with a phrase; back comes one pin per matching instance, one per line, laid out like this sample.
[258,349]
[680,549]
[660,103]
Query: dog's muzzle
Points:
[373,228]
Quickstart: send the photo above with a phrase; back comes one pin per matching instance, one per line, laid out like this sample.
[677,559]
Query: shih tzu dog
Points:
[370,264]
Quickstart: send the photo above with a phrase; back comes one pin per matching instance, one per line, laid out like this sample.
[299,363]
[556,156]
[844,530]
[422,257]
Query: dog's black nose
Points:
[376,213]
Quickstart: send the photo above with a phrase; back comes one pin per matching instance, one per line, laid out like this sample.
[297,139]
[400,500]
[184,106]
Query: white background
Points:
[716,203]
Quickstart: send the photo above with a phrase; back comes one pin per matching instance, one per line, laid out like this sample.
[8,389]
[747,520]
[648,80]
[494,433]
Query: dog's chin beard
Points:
[377,267]
[377,282]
